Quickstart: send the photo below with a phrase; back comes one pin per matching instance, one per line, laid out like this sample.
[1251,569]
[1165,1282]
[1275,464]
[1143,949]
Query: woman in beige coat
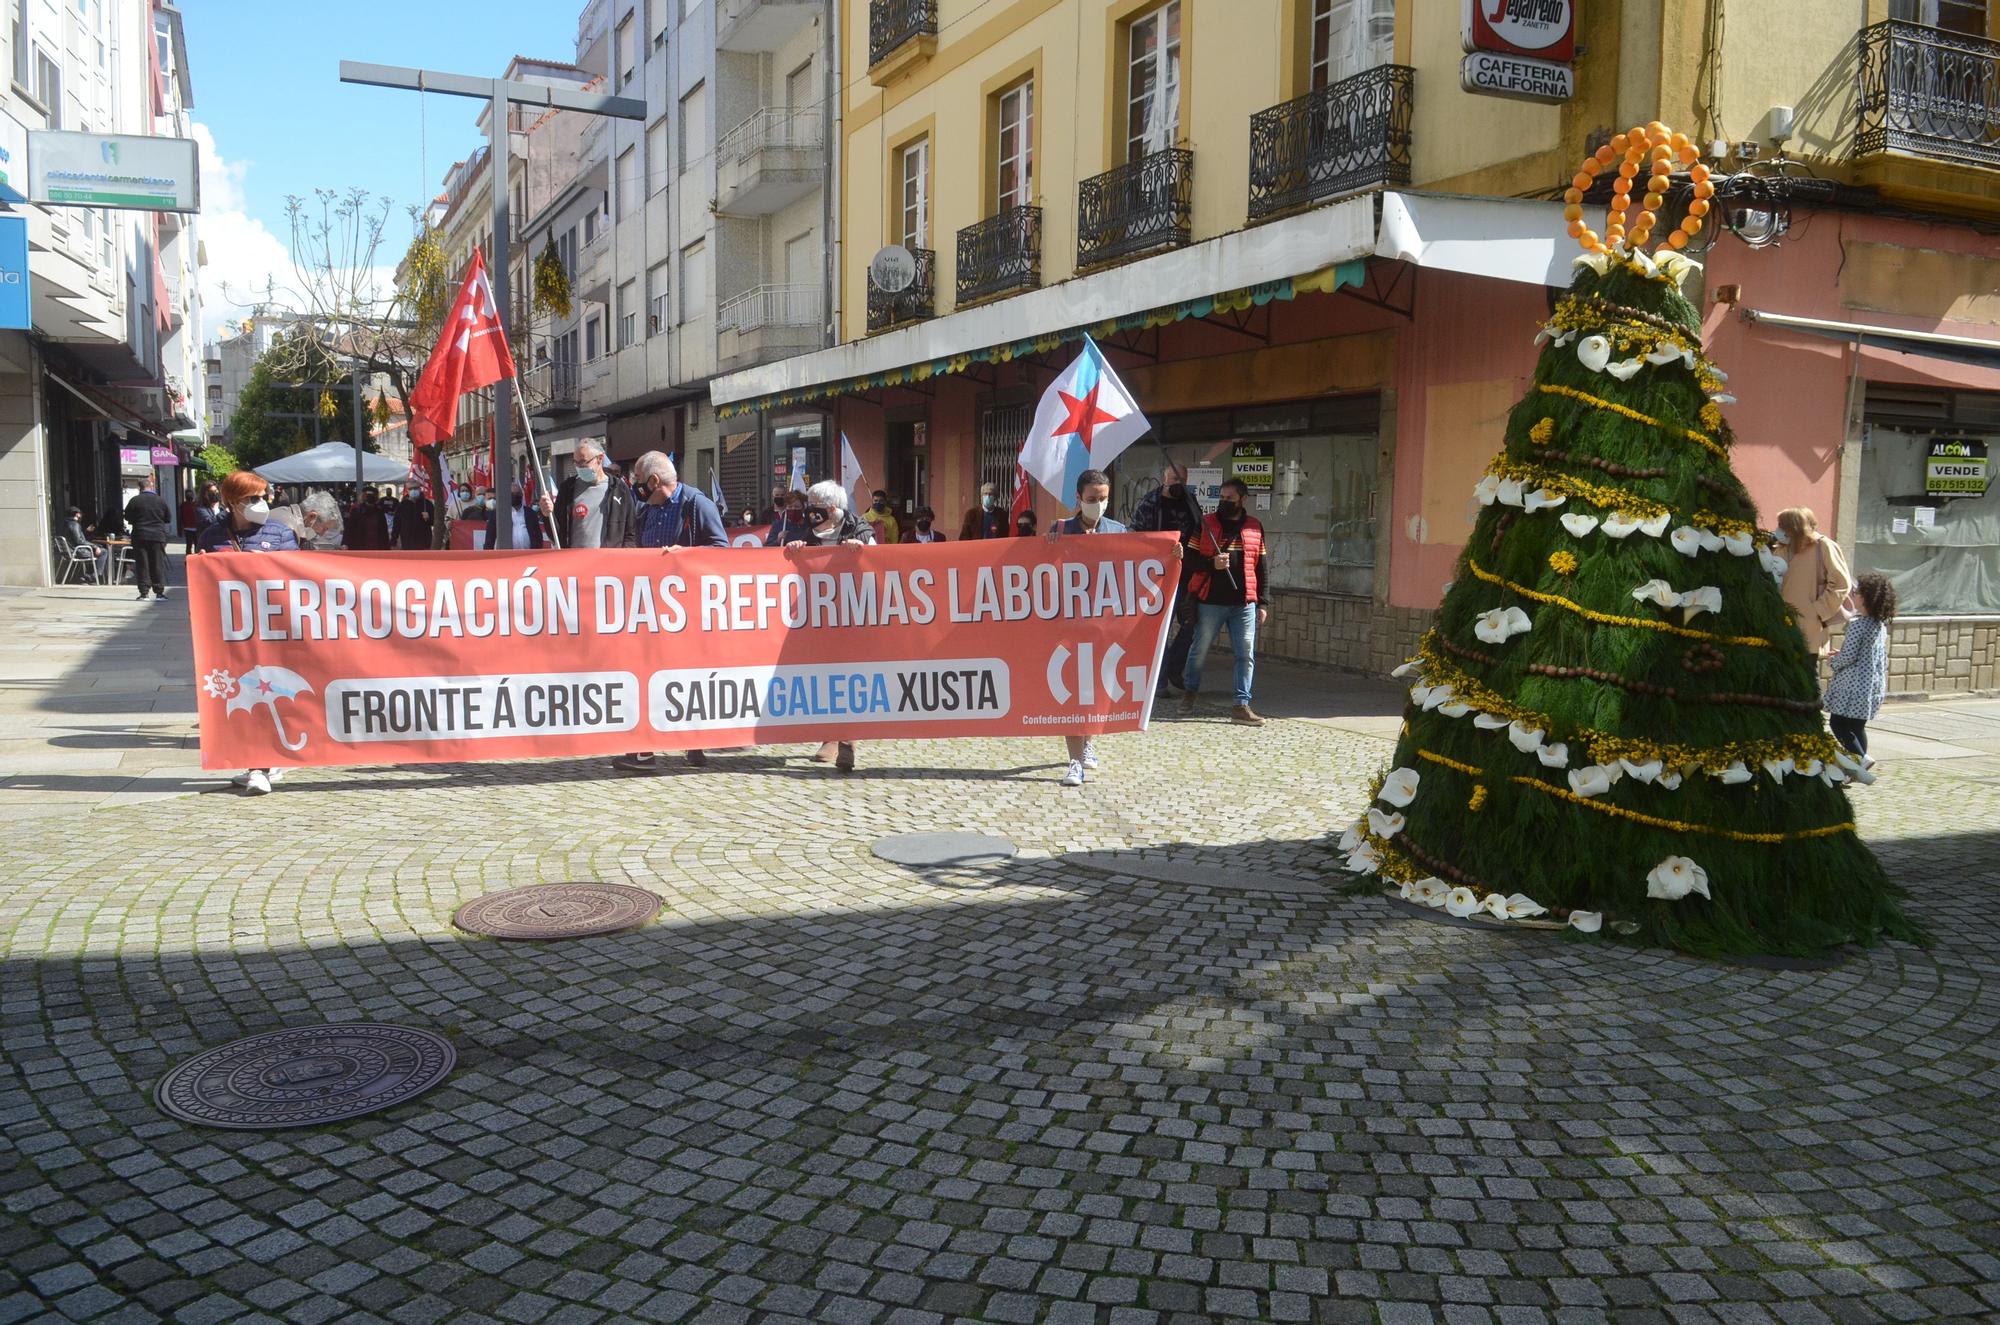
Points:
[1817,580]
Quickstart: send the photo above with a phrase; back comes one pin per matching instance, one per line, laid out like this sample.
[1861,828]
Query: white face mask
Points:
[1092,511]
[257,512]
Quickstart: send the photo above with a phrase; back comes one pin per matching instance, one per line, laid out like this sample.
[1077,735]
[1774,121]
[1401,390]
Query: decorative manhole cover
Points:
[304,1077]
[558,911]
[937,850]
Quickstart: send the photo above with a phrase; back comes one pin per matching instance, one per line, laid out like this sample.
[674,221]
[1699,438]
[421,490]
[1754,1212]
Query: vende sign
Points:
[1537,29]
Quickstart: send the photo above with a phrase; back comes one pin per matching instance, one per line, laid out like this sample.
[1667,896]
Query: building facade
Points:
[1317,259]
[107,387]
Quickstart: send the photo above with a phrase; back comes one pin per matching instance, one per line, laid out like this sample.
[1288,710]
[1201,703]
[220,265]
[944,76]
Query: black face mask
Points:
[818,514]
[924,525]
[1229,510]
[881,506]
[517,501]
[1177,491]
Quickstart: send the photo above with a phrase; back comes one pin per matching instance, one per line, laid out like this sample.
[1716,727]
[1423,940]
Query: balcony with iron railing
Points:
[900,34]
[552,386]
[1000,255]
[761,26]
[770,160]
[1135,208]
[894,308]
[1331,143]
[767,322]
[1930,93]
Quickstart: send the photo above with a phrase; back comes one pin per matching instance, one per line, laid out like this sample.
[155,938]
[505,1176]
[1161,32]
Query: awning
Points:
[105,406]
[1319,250]
[1958,349]
[1505,239]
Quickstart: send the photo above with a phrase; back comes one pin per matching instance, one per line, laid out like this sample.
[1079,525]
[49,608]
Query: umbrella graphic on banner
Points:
[268,685]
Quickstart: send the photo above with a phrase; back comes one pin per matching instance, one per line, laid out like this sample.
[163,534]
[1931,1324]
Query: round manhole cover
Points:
[558,911]
[304,1077]
[936,850]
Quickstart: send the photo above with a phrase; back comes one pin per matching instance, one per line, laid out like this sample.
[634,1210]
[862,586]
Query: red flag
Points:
[471,352]
[1024,498]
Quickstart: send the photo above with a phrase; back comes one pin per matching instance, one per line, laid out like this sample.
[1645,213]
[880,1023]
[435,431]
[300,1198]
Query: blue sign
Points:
[16,308]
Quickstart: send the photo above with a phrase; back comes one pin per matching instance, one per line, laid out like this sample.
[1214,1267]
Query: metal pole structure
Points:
[499,155]
[500,174]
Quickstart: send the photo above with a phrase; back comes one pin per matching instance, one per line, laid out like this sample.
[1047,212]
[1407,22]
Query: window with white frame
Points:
[1013,154]
[628,50]
[656,156]
[593,338]
[566,251]
[628,180]
[628,313]
[694,281]
[1350,37]
[659,316]
[694,125]
[914,222]
[1153,81]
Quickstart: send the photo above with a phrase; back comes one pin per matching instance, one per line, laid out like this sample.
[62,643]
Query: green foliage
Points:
[552,289]
[273,416]
[219,460]
[1529,835]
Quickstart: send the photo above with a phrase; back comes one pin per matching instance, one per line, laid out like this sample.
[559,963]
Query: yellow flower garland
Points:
[1599,402]
[1650,820]
[1605,748]
[1609,619]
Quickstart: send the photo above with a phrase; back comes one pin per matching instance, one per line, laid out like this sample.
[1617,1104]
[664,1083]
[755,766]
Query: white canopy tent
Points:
[333,462]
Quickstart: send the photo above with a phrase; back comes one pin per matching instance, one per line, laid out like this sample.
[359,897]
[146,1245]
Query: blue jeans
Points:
[1208,623]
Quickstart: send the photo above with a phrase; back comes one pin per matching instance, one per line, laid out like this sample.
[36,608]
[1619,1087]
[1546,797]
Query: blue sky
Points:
[275,119]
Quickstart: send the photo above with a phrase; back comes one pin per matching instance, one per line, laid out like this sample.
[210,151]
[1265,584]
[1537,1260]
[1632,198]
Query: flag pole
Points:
[535,458]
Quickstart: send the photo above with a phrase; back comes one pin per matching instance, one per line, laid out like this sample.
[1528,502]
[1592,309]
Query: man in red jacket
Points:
[1228,587]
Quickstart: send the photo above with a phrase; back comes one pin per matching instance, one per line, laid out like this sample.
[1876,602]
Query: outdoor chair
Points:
[74,559]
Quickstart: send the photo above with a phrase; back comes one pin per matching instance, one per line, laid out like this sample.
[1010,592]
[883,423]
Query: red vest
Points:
[1210,540]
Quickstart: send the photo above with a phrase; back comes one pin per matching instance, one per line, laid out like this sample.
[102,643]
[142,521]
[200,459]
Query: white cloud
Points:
[243,255]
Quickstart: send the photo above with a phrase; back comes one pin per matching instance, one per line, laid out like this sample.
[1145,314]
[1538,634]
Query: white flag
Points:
[1086,419]
[850,466]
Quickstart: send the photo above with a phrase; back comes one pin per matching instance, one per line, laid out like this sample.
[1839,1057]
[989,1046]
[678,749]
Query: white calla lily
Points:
[1624,369]
[1420,695]
[1461,901]
[1351,839]
[1810,768]
[1656,591]
[1364,859]
[1579,524]
[1430,892]
[1665,352]
[1400,787]
[1694,602]
[1670,781]
[1649,771]
[1590,780]
[1833,775]
[1510,492]
[1526,739]
[1541,498]
[1676,266]
[1645,264]
[1589,922]
[1384,825]
[1676,877]
[1554,756]
[1458,708]
[1410,668]
[1437,695]
[1686,540]
[1491,722]
[1734,776]
[1722,397]
[1520,906]
[1599,262]
[1711,541]
[1778,768]
[1619,525]
[1593,352]
[1772,562]
[1657,525]
[1502,624]
[1487,489]
[1739,544]
[1495,905]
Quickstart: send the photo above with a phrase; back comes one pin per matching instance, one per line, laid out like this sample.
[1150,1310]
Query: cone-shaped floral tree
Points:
[1615,722]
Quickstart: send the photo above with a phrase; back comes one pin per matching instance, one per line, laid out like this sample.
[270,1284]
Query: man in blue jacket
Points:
[671,514]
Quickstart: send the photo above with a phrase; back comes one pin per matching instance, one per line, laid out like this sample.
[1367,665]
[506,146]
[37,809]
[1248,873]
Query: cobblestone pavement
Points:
[1117,1080]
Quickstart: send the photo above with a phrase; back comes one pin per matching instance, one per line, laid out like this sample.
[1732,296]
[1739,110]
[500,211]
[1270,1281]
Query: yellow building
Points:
[1312,252]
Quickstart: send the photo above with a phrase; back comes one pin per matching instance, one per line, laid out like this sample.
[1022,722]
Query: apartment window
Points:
[628,313]
[48,86]
[566,350]
[22,71]
[1966,16]
[914,221]
[628,180]
[628,50]
[566,250]
[658,314]
[656,156]
[688,7]
[593,338]
[1350,37]
[694,125]
[694,281]
[799,89]
[1153,81]
[590,226]
[1014,146]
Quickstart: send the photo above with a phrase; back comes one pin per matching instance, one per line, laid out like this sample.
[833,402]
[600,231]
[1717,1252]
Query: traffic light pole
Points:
[503,94]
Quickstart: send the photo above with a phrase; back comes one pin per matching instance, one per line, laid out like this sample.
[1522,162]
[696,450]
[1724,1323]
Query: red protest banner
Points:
[374,658]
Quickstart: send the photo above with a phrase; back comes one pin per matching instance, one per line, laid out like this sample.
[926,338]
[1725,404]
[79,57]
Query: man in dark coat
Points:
[367,525]
[591,509]
[416,517]
[152,522]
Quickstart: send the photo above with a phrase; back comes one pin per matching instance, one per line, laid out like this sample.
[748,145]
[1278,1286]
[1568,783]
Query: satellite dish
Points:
[893,268]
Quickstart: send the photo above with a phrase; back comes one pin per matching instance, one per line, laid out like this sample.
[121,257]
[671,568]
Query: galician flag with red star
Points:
[1085,419]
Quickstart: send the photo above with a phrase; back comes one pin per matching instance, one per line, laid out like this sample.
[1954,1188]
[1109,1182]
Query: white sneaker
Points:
[1090,754]
[275,776]
[1074,778]
[257,783]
